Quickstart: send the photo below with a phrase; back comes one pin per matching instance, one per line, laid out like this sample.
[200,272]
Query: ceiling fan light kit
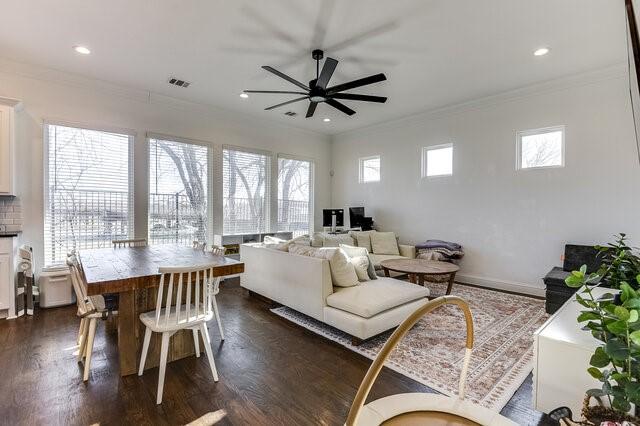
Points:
[317,91]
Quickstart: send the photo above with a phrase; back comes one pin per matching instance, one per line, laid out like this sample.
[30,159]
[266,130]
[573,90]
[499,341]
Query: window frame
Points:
[540,131]
[132,138]
[425,152]
[361,162]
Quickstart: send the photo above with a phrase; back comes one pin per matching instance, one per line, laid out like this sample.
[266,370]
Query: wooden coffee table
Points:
[418,269]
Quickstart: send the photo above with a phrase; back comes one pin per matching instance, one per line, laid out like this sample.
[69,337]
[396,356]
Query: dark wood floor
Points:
[271,372]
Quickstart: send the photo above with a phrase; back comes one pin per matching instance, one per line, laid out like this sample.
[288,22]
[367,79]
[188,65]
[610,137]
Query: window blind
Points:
[295,195]
[246,183]
[88,196]
[178,194]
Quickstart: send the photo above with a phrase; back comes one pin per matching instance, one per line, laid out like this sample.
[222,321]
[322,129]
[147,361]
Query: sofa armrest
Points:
[407,251]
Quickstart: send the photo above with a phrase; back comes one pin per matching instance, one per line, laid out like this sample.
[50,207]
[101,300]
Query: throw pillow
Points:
[361,251]
[363,239]
[384,243]
[361,264]
[268,239]
[277,246]
[343,273]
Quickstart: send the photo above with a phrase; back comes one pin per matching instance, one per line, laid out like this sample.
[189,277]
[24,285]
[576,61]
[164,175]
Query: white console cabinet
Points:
[8,248]
[7,145]
[562,350]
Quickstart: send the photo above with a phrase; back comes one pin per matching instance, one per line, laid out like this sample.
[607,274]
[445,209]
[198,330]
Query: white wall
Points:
[49,95]
[513,224]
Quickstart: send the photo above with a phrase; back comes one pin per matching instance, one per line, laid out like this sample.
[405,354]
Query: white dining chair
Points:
[90,310]
[134,242]
[218,250]
[197,245]
[188,312]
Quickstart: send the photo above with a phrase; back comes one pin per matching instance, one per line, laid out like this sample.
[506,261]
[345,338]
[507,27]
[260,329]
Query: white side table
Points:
[561,357]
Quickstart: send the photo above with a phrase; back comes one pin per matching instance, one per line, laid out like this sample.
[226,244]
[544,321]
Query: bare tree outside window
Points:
[245,192]
[87,201]
[541,148]
[178,182]
[294,195]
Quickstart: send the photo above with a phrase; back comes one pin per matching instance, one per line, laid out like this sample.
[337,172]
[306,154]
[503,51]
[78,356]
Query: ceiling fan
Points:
[317,90]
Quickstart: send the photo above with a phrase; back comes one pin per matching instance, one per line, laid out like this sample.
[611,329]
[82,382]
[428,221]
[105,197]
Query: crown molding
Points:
[550,86]
[87,83]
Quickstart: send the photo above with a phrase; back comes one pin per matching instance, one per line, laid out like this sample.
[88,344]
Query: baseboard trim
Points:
[511,286]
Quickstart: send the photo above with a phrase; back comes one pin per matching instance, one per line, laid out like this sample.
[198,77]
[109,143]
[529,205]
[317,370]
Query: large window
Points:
[245,189]
[88,199]
[295,192]
[178,201]
[369,169]
[541,148]
[437,160]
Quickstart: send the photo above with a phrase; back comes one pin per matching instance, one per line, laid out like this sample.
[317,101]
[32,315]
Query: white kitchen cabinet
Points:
[7,145]
[8,248]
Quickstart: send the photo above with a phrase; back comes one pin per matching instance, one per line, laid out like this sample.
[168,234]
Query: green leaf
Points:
[633,316]
[616,349]
[583,269]
[599,359]
[588,315]
[618,327]
[595,373]
[635,337]
[622,313]
[632,303]
[573,281]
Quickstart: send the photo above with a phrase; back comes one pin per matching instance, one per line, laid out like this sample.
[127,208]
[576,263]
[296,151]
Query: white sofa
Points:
[304,283]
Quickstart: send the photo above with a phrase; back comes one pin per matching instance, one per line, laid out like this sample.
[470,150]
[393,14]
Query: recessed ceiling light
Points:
[541,52]
[82,50]
[326,120]
[244,95]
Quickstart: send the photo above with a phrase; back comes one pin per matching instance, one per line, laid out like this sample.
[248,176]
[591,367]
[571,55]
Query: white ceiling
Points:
[434,52]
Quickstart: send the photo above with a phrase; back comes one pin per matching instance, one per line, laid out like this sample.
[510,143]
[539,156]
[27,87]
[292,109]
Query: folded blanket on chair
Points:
[437,244]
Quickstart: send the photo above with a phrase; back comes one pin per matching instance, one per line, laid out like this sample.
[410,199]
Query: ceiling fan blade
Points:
[327,71]
[311,109]
[342,107]
[286,103]
[274,91]
[355,97]
[286,77]
[356,83]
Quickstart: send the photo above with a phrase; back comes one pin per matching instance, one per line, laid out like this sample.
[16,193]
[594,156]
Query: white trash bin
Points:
[55,286]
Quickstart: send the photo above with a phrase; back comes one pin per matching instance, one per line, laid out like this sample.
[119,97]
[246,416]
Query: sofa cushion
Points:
[374,297]
[334,240]
[384,243]
[363,239]
[361,264]
[361,251]
[301,250]
[377,258]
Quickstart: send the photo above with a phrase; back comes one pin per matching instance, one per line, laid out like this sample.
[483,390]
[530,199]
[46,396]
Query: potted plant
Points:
[614,320]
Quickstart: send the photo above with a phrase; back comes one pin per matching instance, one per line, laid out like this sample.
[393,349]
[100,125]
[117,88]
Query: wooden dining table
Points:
[132,273]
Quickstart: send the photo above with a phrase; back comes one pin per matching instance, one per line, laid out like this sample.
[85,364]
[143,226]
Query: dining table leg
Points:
[127,342]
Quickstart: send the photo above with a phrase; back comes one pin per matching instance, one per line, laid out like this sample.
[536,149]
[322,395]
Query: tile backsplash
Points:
[10,214]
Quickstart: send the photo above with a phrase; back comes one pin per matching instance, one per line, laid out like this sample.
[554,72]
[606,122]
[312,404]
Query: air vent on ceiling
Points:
[177,82]
[291,113]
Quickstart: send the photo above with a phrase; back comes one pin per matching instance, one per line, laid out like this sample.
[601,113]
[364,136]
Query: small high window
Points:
[541,148]
[370,169]
[437,160]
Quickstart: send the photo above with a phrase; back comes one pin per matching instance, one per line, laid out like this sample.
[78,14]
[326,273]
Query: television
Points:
[356,215]
[329,214]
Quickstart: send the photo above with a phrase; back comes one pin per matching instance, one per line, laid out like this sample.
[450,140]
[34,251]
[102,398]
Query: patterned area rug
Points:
[433,351]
